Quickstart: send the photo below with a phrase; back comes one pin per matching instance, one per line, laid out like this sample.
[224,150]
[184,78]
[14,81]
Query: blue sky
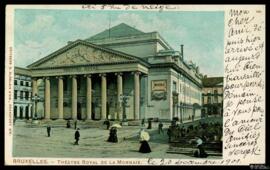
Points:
[41,32]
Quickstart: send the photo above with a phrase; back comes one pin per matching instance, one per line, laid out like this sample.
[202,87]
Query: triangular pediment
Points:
[82,53]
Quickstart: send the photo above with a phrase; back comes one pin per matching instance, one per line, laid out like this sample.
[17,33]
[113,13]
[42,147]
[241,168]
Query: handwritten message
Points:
[160,8]
[244,84]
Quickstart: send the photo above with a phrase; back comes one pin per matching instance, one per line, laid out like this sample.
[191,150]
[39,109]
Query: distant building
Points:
[86,78]
[22,94]
[212,96]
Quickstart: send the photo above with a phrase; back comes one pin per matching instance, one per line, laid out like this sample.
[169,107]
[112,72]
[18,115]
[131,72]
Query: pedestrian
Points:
[68,124]
[49,130]
[107,123]
[113,135]
[160,126]
[200,152]
[173,123]
[143,122]
[144,138]
[77,137]
[75,124]
[149,124]
[169,133]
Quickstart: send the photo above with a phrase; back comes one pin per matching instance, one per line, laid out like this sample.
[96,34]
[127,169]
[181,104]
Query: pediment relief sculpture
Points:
[83,54]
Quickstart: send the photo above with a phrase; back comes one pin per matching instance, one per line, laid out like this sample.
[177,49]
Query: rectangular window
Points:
[15,94]
[209,99]
[174,86]
[21,83]
[15,82]
[21,95]
[27,95]
[216,99]
[26,83]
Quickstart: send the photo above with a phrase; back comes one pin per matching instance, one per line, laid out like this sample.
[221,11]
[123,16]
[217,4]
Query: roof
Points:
[22,71]
[74,43]
[212,81]
[120,30]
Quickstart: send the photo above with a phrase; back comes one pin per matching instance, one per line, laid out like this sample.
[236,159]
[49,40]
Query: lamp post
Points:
[36,98]
[123,100]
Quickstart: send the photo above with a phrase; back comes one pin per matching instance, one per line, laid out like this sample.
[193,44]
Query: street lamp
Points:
[123,100]
[36,98]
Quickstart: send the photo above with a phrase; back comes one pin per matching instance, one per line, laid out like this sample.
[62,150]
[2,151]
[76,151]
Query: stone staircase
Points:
[83,124]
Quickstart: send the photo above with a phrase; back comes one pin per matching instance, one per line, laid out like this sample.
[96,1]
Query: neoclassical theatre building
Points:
[87,79]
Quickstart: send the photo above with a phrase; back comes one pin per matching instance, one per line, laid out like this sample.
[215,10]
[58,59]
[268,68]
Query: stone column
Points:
[29,111]
[18,111]
[60,97]
[74,97]
[34,91]
[103,96]
[47,98]
[119,93]
[89,97]
[24,112]
[136,95]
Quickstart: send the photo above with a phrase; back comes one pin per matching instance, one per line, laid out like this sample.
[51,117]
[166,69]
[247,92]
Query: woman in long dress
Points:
[144,137]
[113,135]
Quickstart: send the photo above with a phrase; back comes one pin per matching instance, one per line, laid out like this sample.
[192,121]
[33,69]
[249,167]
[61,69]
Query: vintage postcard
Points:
[135,85]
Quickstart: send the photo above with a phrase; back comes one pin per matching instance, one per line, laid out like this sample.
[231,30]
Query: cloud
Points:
[40,34]
[90,23]
[31,51]
[39,24]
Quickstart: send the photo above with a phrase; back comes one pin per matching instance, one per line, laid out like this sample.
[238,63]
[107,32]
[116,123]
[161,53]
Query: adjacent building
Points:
[87,79]
[22,94]
[212,96]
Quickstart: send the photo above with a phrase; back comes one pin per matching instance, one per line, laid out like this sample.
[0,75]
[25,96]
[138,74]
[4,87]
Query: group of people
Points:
[200,134]
[144,137]
[69,124]
[76,135]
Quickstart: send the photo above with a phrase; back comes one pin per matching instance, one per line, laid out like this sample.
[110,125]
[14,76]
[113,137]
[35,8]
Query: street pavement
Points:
[33,142]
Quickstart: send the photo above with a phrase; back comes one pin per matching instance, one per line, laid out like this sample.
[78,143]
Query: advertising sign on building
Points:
[159,90]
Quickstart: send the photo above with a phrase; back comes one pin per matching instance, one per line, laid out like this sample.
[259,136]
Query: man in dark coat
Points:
[149,124]
[68,124]
[143,122]
[77,137]
[160,126]
[49,130]
[107,123]
[169,133]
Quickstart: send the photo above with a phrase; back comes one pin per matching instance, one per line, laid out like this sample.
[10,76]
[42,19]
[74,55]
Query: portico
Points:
[85,81]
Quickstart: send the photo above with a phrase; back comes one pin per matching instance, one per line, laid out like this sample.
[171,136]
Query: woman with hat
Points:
[144,138]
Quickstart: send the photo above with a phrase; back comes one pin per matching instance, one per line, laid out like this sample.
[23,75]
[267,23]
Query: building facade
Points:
[22,94]
[87,79]
[212,96]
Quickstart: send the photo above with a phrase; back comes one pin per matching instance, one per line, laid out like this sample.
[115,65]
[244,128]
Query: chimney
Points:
[182,51]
